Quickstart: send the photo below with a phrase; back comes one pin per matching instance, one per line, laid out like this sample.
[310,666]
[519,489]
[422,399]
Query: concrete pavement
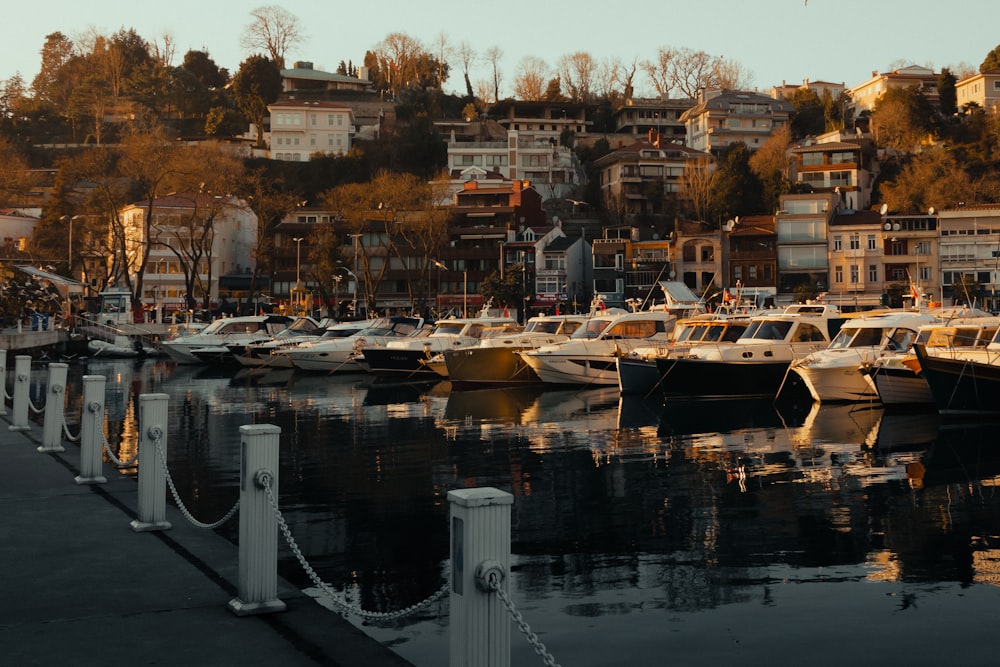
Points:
[80,587]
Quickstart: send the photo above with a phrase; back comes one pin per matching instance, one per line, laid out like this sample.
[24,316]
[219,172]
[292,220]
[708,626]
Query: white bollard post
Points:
[258,548]
[3,382]
[480,546]
[22,385]
[152,464]
[92,431]
[55,407]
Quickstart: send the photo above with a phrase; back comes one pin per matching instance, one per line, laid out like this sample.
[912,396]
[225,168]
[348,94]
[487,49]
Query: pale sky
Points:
[838,41]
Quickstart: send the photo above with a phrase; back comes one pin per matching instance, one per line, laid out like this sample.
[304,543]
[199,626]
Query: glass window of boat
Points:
[448,328]
[592,329]
[767,330]
[240,327]
[635,329]
[901,339]
[805,333]
[734,331]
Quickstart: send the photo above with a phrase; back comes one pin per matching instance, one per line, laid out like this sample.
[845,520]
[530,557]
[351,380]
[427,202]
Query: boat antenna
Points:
[655,286]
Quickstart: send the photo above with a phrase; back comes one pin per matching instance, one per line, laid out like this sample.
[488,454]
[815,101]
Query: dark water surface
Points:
[643,534]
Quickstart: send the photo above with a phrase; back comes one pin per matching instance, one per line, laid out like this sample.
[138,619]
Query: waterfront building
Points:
[802,224]
[192,235]
[638,117]
[856,248]
[970,255]
[301,129]
[865,95]
[752,262]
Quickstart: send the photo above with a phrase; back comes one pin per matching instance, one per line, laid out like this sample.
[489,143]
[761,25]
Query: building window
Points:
[838,244]
[752,272]
[855,242]
[854,274]
[871,242]
[707,253]
[838,274]
[737,273]
[873,273]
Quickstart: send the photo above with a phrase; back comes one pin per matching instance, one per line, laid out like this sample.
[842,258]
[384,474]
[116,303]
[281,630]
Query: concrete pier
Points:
[82,588]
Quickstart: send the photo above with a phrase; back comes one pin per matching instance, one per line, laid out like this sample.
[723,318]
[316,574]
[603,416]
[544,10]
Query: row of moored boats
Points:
[947,358]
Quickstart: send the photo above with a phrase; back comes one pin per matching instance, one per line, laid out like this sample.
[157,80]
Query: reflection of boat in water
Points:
[388,391]
[567,405]
[636,411]
[505,404]
[844,423]
[965,453]
[907,431]
[691,416]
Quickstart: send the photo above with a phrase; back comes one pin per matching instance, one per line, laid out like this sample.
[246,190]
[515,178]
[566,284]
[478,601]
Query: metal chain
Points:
[180,503]
[265,481]
[493,581]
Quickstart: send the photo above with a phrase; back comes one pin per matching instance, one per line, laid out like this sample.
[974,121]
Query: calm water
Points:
[642,534]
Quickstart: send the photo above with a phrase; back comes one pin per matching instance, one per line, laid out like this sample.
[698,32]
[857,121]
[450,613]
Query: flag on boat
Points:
[557,309]
[506,311]
[914,293]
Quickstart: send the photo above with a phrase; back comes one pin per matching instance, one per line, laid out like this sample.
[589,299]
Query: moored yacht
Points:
[335,351]
[588,357]
[404,356]
[896,377]
[494,362]
[757,363]
[833,374]
[637,372]
[223,333]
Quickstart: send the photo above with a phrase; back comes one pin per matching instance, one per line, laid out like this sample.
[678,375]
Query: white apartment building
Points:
[301,129]
[177,218]
[722,118]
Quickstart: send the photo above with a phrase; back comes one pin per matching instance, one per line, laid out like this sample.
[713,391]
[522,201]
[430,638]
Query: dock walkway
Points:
[80,587]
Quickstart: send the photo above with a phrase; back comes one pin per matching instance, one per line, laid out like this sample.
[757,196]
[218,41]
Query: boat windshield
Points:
[448,328]
[592,329]
[767,330]
[552,326]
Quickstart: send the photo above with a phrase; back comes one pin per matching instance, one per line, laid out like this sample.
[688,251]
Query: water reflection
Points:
[623,507]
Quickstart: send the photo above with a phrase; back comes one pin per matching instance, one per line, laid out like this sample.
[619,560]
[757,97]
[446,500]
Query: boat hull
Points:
[480,367]
[706,378]
[397,361]
[960,386]
[836,383]
[638,377]
[899,386]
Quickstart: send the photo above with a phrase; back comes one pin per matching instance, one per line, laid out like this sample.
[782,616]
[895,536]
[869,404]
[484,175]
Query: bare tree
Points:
[731,75]
[531,78]
[493,56]
[577,72]
[400,58]
[164,49]
[444,50]
[693,71]
[274,31]
[660,71]
[467,56]
[697,185]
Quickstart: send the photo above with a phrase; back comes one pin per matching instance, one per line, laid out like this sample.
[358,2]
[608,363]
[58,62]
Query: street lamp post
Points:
[298,262]
[441,267]
[356,237]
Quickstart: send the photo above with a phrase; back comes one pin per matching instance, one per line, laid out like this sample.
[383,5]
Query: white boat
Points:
[756,364]
[834,373]
[265,353]
[337,349]
[405,356]
[120,347]
[494,362]
[225,332]
[588,357]
[896,377]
